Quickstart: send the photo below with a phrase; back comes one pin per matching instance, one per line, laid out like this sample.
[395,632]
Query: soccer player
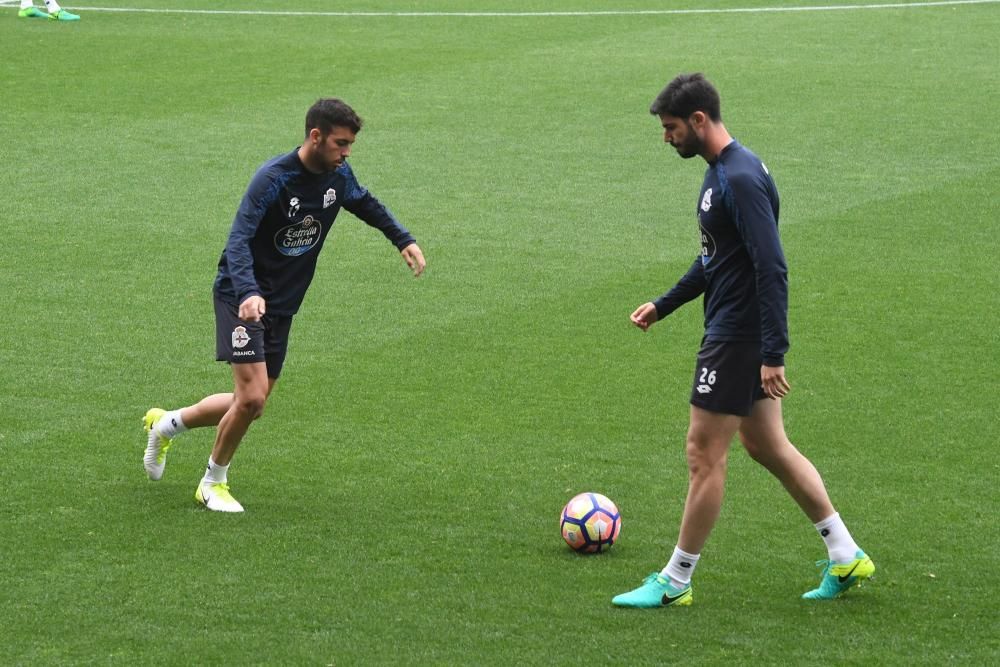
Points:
[739,378]
[264,272]
[55,12]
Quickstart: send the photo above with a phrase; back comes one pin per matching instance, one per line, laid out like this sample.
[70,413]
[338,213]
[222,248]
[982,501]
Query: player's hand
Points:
[252,309]
[414,259]
[644,316]
[772,379]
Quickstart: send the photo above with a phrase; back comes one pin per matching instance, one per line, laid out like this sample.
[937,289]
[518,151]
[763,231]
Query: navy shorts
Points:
[727,377]
[240,342]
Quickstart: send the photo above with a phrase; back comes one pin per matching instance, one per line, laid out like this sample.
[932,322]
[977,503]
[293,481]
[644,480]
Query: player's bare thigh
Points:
[709,434]
[763,431]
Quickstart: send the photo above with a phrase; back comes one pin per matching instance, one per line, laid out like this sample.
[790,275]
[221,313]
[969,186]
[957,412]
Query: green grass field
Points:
[403,487]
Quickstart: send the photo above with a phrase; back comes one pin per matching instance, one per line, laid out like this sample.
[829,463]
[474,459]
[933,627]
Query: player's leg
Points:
[210,410]
[708,439]
[763,436]
[233,337]
[251,390]
[725,377]
[162,426]
[249,397]
[254,381]
[206,412]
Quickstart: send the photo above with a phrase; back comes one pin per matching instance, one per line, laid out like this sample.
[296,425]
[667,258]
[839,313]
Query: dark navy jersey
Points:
[741,268]
[280,226]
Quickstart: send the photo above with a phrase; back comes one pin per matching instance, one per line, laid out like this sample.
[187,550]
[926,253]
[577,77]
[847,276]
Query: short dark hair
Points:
[686,94]
[331,112]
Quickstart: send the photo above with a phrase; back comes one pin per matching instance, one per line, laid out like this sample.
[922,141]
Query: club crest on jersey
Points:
[706,201]
[240,337]
[293,207]
[300,238]
[329,197]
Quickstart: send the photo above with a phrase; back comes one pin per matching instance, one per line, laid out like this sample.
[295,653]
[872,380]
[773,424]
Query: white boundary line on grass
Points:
[610,12]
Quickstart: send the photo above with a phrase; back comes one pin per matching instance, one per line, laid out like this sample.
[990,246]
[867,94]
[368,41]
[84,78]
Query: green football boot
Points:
[32,13]
[63,15]
[838,577]
[656,591]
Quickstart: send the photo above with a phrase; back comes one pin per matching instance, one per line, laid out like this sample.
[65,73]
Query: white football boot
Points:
[155,458]
[216,497]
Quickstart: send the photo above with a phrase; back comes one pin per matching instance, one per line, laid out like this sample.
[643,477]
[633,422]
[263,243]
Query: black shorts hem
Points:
[715,409]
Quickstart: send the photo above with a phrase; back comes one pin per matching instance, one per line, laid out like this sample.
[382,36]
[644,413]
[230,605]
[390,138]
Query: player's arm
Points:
[239,255]
[690,286]
[362,204]
[754,217]
[755,220]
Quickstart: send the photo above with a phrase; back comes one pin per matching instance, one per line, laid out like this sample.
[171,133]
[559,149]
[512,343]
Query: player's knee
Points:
[776,454]
[705,458]
[251,405]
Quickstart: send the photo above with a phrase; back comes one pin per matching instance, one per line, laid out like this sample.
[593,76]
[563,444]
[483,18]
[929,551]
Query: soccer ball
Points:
[590,523]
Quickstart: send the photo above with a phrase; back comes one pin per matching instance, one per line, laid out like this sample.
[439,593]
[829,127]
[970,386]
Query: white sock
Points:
[52,6]
[171,424]
[26,3]
[214,473]
[840,546]
[680,568]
